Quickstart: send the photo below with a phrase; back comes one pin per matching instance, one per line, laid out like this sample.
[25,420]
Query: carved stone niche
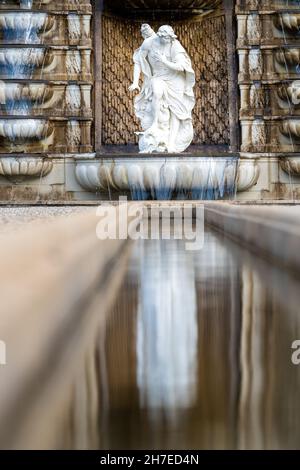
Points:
[45,135]
[47,99]
[45,28]
[82,6]
[45,63]
[204,38]
[272,99]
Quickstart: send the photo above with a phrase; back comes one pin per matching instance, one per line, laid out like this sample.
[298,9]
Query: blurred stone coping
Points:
[269,230]
[58,282]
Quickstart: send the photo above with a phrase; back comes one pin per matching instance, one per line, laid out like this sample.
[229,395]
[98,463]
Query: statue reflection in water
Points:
[167,330]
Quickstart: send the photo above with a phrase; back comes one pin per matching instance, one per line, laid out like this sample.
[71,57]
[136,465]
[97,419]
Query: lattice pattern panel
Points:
[205,42]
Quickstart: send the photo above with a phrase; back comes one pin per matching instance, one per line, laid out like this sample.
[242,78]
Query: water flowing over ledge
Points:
[161,177]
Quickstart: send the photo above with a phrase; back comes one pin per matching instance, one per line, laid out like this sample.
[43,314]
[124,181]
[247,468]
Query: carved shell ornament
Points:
[288,21]
[290,165]
[294,92]
[33,92]
[22,130]
[158,174]
[290,93]
[291,128]
[20,21]
[22,57]
[288,57]
[17,169]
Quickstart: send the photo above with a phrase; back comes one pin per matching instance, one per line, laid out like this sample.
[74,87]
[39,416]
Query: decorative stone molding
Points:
[270,99]
[256,29]
[44,135]
[266,6]
[158,175]
[87,175]
[45,64]
[19,168]
[271,135]
[279,63]
[291,165]
[269,55]
[248,174]
[45,79]
[45,28]
[178,9]
[82,6]
[253,135]
[52,99]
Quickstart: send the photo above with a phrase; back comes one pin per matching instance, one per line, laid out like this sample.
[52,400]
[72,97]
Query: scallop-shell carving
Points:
[11,167]
[248,175]
[291,128]
[22,130]
[158,175]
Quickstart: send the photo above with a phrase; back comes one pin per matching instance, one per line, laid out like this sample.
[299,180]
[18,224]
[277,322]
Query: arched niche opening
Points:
[205,28]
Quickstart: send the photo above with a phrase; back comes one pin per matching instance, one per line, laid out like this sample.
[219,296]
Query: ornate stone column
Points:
[233,102]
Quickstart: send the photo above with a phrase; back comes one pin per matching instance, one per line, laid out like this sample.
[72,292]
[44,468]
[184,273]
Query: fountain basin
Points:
[41,63]
[55,135]
[27,57]
[48,28]
[23,130]
[83,6]
[17,169]
[21,21]
[37,99]
[18,92]
[160,177]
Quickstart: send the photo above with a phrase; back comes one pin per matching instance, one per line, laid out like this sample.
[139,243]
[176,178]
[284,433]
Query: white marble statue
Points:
[166,100]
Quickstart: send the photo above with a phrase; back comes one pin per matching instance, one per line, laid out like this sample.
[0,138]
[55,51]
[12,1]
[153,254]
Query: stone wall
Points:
[46,87]
[268,45]
[49,74]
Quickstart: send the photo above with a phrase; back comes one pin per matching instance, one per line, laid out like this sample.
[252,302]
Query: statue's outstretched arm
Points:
[138,56]
[136,77]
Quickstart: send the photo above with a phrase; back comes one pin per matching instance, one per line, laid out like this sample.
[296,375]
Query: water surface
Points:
[196,353]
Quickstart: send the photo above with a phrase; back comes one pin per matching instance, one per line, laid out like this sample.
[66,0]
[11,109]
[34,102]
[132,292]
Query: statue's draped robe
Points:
[178,98]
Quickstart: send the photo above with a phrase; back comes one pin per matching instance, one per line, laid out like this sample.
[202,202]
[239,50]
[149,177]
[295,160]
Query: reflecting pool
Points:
[196,354]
